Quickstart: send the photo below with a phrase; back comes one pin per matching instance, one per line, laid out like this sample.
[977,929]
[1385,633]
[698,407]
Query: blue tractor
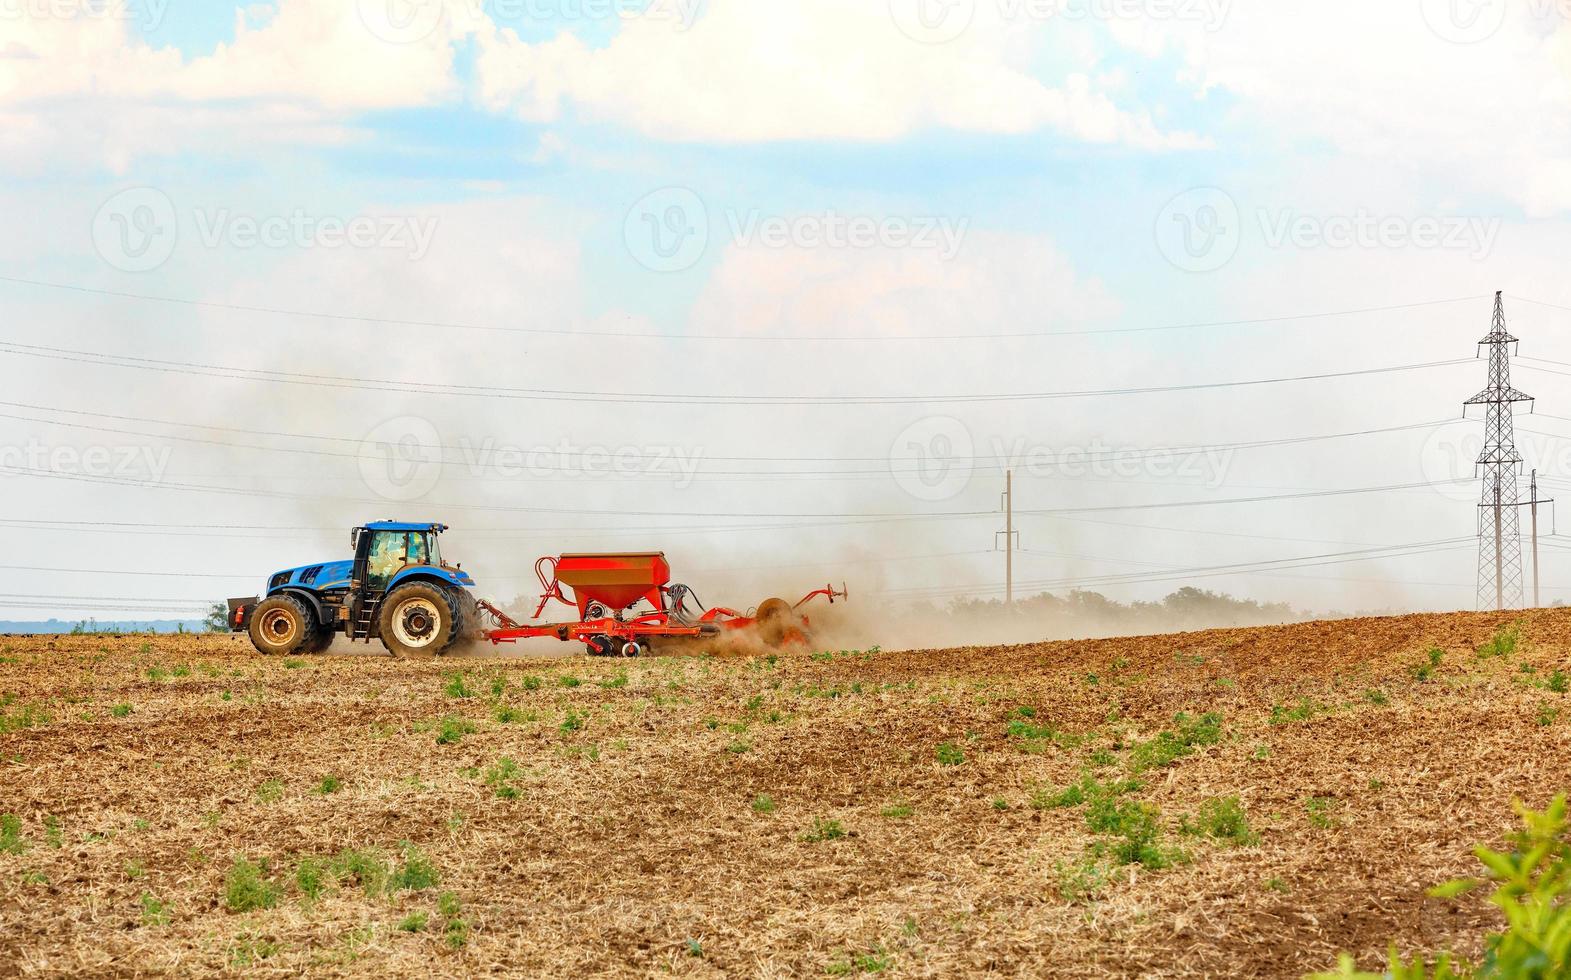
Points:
[397,589]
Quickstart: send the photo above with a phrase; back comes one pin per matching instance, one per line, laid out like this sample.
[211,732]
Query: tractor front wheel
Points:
[281,625]
[419,618]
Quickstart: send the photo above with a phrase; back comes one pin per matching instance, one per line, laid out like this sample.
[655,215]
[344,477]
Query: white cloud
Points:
[810,69]
[315,52]
[1378,82]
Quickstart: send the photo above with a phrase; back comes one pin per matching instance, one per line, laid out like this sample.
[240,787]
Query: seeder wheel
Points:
[778,623]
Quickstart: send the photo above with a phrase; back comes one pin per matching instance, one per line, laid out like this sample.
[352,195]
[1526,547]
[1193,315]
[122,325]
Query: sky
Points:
[782,289]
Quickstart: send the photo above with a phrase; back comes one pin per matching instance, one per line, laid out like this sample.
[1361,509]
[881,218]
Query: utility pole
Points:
[1499,560]
[1009,538]
[1533,489]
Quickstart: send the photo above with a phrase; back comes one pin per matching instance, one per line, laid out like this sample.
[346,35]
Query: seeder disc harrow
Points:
[606,588]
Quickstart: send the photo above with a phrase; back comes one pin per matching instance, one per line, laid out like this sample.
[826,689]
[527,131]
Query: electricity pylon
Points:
[1499,530]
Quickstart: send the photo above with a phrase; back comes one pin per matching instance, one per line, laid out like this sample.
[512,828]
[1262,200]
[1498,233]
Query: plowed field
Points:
[181,805]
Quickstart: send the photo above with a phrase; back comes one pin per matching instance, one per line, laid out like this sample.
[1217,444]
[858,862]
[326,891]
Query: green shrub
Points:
[824,830]
[1559,683]
[950,754]
[500,778]
[1223,819]
[413,922]
[1319,809]
[1502,644]
[574,722]
[1169,746]
[329,785]
[120,710]
[456,686]
[530,683]
[154,912]
[11,841]
[417,873]
[270,791]
[1532,888]
[452,729]
[246,887]
[763,803]
[1304,710]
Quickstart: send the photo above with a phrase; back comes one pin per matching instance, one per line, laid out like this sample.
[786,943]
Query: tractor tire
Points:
[320,640]
[281,625]
[419,618]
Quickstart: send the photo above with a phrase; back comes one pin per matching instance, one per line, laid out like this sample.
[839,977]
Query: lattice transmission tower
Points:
[1499,530]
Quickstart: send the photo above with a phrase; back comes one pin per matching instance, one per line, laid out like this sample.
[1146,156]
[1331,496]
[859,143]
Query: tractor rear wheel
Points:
[281,625]
[419,618]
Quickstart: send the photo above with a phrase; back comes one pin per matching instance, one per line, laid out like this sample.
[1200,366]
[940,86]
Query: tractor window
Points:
[417,550]
[435,553]
[386,558]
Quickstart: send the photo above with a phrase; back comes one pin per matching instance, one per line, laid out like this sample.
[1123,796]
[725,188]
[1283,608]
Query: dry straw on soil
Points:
[797,815]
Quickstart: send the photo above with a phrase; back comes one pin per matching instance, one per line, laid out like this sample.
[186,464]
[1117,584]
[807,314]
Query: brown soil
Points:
[633,842]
